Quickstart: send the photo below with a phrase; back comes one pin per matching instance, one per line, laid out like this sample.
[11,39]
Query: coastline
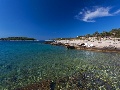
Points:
[99,46]
[100,49]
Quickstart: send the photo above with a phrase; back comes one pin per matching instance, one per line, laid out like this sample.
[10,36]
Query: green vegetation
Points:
[114,33]
[63,38]
[17,38]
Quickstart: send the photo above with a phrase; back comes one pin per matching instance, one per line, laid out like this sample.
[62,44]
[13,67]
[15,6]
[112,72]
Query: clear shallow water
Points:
[23,63]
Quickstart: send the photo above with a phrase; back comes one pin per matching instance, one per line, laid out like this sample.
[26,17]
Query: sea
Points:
[23,63]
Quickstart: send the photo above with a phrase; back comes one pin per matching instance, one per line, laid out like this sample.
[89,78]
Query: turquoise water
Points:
[24,63]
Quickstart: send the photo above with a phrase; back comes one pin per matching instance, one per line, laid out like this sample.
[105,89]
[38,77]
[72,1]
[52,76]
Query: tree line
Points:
[114,33]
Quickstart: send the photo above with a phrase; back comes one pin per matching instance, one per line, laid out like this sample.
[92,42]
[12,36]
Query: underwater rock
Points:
[52,85]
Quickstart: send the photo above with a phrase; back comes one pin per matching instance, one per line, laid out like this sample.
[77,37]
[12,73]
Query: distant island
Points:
[17,39]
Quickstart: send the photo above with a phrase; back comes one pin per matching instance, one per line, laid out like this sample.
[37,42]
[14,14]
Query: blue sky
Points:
[47,19]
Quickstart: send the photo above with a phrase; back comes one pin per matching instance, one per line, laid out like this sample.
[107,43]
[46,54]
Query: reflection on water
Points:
[24,63]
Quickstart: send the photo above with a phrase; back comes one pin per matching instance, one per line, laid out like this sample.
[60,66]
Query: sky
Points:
[48,19]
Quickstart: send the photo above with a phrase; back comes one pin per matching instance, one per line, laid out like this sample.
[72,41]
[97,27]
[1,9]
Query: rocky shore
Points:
[103,45]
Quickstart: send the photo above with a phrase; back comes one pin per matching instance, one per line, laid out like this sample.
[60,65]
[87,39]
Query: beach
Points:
[96,45]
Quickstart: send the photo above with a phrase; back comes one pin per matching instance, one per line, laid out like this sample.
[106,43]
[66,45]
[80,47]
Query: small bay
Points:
[26,62]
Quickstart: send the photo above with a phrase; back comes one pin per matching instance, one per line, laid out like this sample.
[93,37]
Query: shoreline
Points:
[100,50]
[99,46]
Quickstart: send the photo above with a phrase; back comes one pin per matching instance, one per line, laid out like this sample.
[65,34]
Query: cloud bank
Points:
[89,15]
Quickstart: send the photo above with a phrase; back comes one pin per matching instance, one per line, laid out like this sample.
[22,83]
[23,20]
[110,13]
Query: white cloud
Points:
[96,12]
[117,12]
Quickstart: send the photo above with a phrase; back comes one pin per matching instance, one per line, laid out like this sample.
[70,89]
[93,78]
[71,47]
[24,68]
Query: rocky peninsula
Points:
[105,41]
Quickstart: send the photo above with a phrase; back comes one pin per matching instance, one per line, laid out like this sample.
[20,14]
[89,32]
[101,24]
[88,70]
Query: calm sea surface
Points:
[23,63]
